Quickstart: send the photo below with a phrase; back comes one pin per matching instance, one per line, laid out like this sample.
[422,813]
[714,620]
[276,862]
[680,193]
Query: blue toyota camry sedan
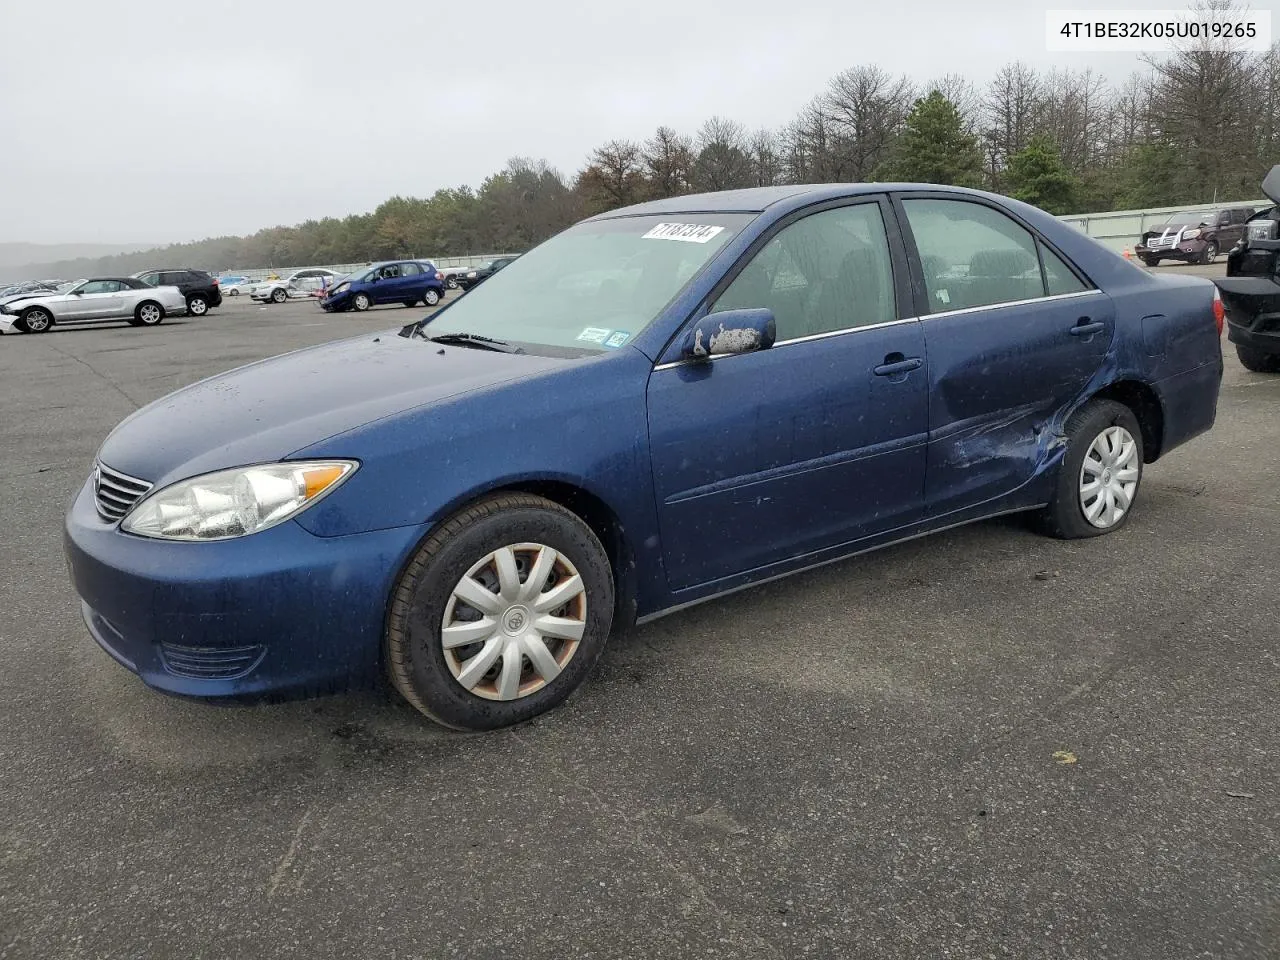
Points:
[711,392]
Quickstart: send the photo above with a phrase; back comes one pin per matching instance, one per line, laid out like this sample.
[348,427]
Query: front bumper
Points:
[1188,250]
[1253,311]
[8,323]
[337,301]
[278,613]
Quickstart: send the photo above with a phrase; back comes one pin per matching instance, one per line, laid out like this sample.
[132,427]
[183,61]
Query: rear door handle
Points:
[1085,328]
[891,368]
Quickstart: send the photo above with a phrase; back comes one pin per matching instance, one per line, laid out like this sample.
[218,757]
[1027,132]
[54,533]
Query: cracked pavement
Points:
[981,744]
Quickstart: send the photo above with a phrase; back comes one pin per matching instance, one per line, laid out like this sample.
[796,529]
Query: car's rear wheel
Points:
[431,298]
[1259,361]
[501,614]
[147,314]
[361,302]
[1210,253]
[279,296]
[197,306]
[233,292]
[37,320]
[451,283]
[1151,261]
[1100,475]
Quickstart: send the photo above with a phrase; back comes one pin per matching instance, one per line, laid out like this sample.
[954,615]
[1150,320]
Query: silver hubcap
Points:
[1109,477]
[514,621]
[197,307]
[432,297]
[150,314]
[37,320]
[362,302]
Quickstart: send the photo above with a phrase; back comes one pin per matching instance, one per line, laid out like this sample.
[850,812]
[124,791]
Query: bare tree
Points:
[613,178]
[1012,106]
[813,149]
[868,107]
[766,158]
[723,161]
[667,158]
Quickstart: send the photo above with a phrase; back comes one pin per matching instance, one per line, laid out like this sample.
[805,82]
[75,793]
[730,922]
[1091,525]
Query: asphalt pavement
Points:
[982,744]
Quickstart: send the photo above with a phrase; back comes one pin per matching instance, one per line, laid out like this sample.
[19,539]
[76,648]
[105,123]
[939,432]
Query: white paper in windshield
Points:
[688,232]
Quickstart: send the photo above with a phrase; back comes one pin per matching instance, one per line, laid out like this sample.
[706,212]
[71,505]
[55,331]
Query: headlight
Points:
[472,275]
[1191,234]
[339,288]
[235,503]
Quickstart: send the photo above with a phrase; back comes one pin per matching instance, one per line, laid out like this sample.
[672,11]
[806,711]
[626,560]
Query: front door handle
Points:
[1086,328]
[896,364]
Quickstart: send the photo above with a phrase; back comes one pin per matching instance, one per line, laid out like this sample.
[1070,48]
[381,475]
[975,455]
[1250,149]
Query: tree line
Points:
[1196,126]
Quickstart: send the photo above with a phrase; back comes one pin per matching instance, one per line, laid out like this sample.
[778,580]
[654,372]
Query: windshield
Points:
[1188,216]
[593,287]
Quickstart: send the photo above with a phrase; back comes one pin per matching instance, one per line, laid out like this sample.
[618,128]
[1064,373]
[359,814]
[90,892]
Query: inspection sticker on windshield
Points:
[594,334]
[618,338]
[688,232]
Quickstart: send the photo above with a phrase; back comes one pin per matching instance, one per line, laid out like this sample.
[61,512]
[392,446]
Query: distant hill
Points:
[21,260]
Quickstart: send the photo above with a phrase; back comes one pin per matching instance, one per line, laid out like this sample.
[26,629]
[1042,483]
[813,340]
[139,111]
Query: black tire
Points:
[415,657]
[411,303]
[233,292]
[1151,261]
[36,320]
[1258,361]
[279,295]
[1210,252]
[451,283]
[197,305]
[431,298]
[148,314]
[361,302]
[1064,517]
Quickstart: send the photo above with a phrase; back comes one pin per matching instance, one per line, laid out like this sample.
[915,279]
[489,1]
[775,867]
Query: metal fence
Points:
[1121,229]
[266,273]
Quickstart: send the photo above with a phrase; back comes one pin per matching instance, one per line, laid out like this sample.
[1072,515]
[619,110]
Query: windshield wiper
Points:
[476,341]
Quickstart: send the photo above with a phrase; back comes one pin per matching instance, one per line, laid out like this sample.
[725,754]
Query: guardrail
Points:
[1121,229]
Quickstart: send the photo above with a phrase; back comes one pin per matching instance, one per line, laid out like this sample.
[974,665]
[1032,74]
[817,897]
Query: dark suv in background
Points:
[199,288]
[1193,237]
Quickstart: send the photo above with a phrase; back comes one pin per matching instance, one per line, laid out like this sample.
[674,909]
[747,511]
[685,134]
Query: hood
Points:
[1175,227]
[1271,184]
[267,410]
[31,298]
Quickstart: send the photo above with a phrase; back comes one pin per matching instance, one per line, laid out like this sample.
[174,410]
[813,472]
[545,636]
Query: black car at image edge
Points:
[198,287]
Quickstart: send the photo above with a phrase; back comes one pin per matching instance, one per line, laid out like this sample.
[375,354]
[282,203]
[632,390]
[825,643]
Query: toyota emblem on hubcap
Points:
[515,620]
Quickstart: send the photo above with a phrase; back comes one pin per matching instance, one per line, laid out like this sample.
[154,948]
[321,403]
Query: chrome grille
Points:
[114,493]
[1166,240]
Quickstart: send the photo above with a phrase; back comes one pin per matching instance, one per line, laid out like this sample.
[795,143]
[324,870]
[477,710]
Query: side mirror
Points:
[728,332]
[1271,184]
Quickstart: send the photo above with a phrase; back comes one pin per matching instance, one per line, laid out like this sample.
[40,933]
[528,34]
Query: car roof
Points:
[759,199]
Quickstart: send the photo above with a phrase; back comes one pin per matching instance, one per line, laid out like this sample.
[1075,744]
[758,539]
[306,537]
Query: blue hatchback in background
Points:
[660,405]
[409,282]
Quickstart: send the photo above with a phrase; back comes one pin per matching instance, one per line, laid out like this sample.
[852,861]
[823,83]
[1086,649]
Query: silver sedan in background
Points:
[99,298]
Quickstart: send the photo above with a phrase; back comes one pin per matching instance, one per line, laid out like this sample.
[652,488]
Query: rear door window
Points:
[974,256]
[410,270]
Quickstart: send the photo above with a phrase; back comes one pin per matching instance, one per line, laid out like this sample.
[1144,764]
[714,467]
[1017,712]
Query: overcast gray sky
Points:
[167,120]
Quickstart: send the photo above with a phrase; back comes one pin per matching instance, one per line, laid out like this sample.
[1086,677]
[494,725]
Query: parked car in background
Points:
[233,286]
[199,288]
[478,275]
[297,285]
[1193,237]
[472,505]
[100,298]
[1251,288]
[409,282]
[450,275]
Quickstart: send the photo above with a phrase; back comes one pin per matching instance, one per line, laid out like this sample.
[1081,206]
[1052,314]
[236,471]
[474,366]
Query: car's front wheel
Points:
[279,296]
[36,320]
[1100,475]
[1210,253]
[197,306]
[1151,261]
[501,614]
[1258,361]
[361,302]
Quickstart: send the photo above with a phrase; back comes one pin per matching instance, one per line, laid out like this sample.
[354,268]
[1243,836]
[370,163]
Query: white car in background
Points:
[233,286]
[299,284]
[100,298]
